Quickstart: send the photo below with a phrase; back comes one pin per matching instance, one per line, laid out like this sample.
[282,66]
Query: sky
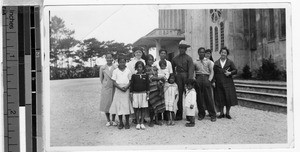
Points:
[122,23]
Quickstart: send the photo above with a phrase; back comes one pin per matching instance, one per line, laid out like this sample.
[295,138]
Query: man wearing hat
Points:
[184,69]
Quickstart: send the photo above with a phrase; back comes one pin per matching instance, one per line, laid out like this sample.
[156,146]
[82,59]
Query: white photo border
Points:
[181,5]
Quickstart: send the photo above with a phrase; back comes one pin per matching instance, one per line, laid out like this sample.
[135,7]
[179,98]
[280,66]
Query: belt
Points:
[202,75]
[138,92]
[181,72]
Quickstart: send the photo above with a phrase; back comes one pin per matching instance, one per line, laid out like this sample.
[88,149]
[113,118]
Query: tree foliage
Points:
[268,70]
[246,72]
[91,48]
[61,40]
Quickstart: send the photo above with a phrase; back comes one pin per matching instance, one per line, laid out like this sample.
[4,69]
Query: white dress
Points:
[121,104]
[163,73]
[170,92]
[107,88]
[169,65]
[190,99]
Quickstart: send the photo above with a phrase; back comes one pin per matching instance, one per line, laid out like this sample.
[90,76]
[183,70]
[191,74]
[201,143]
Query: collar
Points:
[123,69]
[182,54]
[141,74]
[137,59]
[188,91]
[204,59]
[223,61]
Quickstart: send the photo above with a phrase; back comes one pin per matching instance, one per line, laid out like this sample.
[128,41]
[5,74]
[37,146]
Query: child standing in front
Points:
[121,103]
[171,98]
[190,102]
[139,93]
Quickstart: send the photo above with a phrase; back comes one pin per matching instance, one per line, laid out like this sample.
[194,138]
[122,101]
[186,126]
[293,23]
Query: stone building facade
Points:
[249,34]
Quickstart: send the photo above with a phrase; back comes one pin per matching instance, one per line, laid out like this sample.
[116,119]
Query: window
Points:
[282,32]
[246,28]
[253,30]
[271,25]
[215,15]
[211,38]
[216,39]
[222,34]
[249,19]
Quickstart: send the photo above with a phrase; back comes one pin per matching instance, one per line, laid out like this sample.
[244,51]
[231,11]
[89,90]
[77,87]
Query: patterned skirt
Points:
[156,102]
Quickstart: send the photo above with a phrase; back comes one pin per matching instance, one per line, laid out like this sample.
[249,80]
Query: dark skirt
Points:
[156,102]
[225,95]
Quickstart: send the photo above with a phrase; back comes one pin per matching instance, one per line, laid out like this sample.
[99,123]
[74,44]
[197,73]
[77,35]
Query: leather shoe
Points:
[200,118]
[228,116]
[158,123]
[127,126]
[121,126]
[221,116]
[134,121]
[213,119]
[189,124]
[151,124]
[178,119]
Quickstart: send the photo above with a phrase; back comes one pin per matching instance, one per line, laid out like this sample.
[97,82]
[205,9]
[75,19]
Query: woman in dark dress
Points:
[155,104]
[225,93]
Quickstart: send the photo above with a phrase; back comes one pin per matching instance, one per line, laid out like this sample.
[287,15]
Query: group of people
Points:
[162,89]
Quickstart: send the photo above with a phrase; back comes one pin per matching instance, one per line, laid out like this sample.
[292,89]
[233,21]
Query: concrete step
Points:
[268,97]
[263,105]
[262,83]
[262,88]
[263,95]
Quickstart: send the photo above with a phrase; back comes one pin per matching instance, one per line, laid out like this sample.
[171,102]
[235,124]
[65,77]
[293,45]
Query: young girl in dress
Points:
[139,93]
[190,102]
[121,103]
[107,90]
[171,98]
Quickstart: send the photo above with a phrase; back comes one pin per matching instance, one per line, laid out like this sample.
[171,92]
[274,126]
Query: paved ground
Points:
[76,121]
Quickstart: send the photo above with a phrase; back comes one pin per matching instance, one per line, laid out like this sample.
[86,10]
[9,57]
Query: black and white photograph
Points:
[168,75]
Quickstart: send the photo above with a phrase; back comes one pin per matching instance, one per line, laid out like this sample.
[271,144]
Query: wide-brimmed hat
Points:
[183,44]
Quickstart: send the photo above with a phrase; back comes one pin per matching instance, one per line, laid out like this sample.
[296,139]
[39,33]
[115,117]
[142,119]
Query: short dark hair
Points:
[139,63]
[191,82]
[121,58]
[163,50]
[172,75]
[148,58]
[224,48]
[201,48]
[208,50]
[162,62]
[109,53]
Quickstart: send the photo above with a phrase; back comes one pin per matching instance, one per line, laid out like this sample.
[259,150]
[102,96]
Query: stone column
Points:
[158,47]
